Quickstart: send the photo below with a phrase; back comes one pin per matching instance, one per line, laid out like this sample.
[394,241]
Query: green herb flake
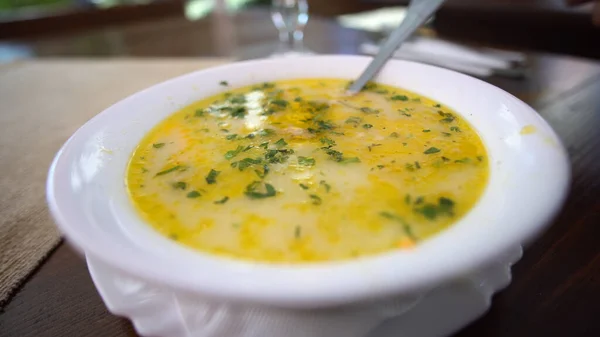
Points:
[247,162]
[369,111]
[222,201]
[224,83]
[417,165]
[325,185]
[431,211]
[280,143]
[327,141]
[180,185]
[463,161]
[432,150]
[381,167]
[264,145]
[437,106]
[199,113]
[297,232]
[262,174]
[445,159]
[232,153]
[266,132]
[211,178]
[367,126]
[446,134]
[353,120]
[304,187]
[231,137]
[480,158]
[316,200]
[280,102]
[455,129]
[252,193]
[169,170]
[405,226]
[306,161]
[350,160]
[158,145]
[402,98]
[194,194]
[426,130]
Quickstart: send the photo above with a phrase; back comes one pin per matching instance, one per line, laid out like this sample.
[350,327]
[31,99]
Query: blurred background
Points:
[243,29]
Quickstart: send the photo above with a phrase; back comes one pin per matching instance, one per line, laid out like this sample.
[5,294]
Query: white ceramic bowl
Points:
[87,197]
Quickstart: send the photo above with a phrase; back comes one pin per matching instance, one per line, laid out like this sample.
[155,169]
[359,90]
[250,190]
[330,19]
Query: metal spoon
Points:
[417,13]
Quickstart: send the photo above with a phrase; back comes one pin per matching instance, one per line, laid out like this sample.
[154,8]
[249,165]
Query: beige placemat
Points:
[41,104]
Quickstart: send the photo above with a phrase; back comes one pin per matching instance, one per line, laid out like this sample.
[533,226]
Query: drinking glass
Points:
[290,18]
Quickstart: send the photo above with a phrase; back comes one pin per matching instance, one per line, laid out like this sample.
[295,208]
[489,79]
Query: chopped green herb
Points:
[193,194]
[367,126]
[211,178]
[169,170]
[430,211]
[403,98]
[297,232]
[419,200]
[446,134]
[369,111]
[253,194]
[264,173]
[325,125]
[455,129]
[426,130]
[180,185]
[445,159]
[432,150]
[409,167]
[238,112]
[316,200]
[394,135]
[370,147]
[480,158]
[306,161]
[231,137]
[280,143]
[247,162]
[405,226]
[264,145]
[199,113]
[224,83]
[266,132]
[280,102]
[237,99]
[437,106]
[144,170]
[335,155]
[350,160]
[327,141]
[326,185]
[158,145]
[380,167]
[222,201]
[463,161]
[304,187]
[417,165]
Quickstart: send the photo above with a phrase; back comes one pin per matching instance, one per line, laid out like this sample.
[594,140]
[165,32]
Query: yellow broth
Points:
[294,171]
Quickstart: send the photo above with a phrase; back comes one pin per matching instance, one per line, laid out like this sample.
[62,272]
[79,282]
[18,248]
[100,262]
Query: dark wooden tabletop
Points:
[556,286]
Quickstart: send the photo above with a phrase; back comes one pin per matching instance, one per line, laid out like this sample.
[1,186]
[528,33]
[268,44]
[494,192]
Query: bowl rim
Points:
[322,281]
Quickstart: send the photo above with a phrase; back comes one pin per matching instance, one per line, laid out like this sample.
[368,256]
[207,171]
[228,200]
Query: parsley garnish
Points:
[264,173]
[304,187]
[194,194]
[169,170]
[306,161]
[326,185]
[405,226]
[430,211]
[158,145]
[403,98]
[353,120]
[222,201]
[211,178]
[180,185]
[224,83]
[432,150]
[264,145]
[455,129]
[367,126]
[266,132]
[280,143]
[369,111]
[350,160]
[232,153]
[253,194]
[247,162]
[426,130]
[327,141]
[463,161]
[316,200]
[446,134]
[199,113]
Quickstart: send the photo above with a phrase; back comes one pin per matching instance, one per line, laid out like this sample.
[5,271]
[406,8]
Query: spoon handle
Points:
[418,12]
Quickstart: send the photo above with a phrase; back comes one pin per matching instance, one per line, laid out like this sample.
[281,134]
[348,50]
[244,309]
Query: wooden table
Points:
[555,287]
